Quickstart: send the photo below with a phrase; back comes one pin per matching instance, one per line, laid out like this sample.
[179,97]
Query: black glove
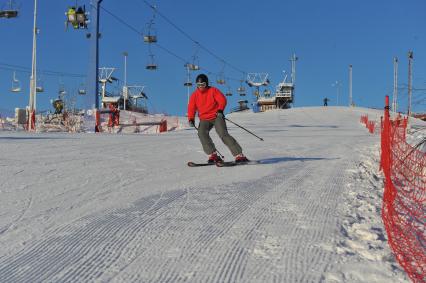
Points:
[191,123]
[219,114]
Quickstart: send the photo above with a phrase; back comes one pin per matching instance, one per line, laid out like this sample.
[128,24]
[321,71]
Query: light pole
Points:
[395,85]
[125,90]
[410,81]
[33,79]
[337,85]
[350,85]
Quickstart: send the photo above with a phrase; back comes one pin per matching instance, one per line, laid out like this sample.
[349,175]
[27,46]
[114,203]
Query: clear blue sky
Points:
[251,35]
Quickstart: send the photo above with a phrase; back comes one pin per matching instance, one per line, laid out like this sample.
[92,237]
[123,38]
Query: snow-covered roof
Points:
[111,99]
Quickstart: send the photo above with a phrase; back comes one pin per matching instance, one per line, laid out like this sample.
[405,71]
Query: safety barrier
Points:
[404,197]
[369,124]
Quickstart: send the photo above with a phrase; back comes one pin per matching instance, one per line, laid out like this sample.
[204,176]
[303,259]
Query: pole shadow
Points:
[275,160]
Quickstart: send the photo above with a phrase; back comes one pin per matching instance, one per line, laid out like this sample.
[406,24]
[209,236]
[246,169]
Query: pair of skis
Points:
[222,163]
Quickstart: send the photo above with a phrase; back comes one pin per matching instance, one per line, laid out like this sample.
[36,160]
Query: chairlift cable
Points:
[22,69]
[164,48]
[191,38]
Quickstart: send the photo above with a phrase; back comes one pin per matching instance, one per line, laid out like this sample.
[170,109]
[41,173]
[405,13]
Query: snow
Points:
[126,208]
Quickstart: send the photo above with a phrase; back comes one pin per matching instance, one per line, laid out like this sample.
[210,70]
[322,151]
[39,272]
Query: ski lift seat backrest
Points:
[8,14]
[16,85]
[193,67]
[150,38]
[15,89]
[151,67]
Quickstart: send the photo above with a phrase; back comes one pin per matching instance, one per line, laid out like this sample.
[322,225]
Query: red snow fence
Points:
[122,121]
[369,124]
[404,197]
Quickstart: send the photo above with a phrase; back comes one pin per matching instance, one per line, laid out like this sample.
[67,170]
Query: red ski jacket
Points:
[207,102]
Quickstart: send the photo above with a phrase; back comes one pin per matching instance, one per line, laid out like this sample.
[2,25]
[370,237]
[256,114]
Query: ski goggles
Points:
[203,84]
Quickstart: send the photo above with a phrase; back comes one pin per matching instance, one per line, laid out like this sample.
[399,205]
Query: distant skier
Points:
[326,100]
[210,102]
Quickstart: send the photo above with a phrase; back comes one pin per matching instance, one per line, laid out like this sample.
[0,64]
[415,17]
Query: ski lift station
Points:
[284,92]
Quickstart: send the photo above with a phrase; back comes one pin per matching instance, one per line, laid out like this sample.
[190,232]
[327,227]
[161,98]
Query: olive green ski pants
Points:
[220,127]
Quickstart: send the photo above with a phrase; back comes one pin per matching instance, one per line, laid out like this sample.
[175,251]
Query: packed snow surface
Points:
[127,208]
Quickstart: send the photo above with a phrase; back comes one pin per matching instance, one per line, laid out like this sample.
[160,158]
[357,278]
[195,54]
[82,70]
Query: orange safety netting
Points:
[404,198]
[370,125]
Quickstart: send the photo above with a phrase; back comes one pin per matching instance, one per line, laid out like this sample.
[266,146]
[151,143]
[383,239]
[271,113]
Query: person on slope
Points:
[210,102]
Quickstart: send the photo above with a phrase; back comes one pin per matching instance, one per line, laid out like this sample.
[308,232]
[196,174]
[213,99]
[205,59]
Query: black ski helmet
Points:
[202,78]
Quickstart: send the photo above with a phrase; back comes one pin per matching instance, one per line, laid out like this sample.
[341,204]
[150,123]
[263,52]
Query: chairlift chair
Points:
[193,67]
[151,35]
[228,93]
[9,12]
[81,90]
[188,84]
[151,65]
[39,86]
[16,85]
[266,92]
[220,79]
[150,38]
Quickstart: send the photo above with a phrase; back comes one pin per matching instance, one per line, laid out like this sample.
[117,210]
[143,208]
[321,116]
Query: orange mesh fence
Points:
[369,124]
[404,198]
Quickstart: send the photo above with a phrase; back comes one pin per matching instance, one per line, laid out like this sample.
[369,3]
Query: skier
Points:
[326,101]
[210,102]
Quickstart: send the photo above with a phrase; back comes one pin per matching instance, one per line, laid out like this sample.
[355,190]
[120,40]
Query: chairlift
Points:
[151,34]
[61,90]
[256,93]
[78,18]
[188,82]
[16,85]
[10,12]
[82,89]
[193,67]
[228,93]
[241,90]
[266,92]
[39,86]
[220,79]
[151,64]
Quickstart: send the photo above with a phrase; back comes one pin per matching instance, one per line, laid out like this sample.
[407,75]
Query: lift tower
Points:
[93,73]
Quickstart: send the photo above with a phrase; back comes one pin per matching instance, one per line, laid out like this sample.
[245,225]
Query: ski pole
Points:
[217,151]
[242,128]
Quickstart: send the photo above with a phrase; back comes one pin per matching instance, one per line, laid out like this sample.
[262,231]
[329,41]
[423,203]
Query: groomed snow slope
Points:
[126,208]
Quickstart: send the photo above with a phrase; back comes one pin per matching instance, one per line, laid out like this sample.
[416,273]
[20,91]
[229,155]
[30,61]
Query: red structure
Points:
[404,197]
